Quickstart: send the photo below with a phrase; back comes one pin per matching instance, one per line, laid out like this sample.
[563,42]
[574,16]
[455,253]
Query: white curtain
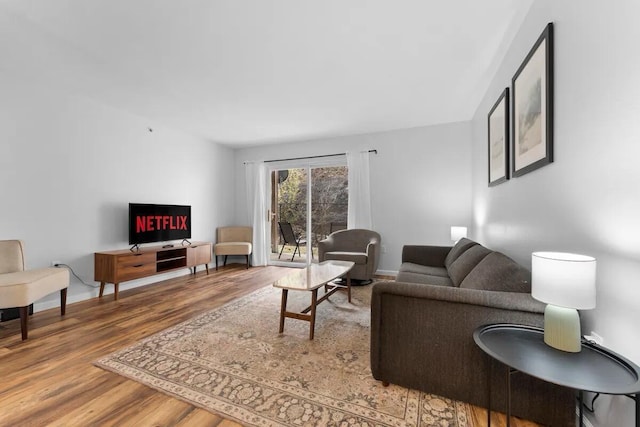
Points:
[359,205]
[256,181]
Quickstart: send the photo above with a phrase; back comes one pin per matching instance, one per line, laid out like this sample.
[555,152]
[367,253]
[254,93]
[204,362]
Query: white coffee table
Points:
[312,278]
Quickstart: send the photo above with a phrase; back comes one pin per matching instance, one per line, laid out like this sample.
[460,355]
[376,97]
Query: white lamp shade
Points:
[563,279]
[458,233]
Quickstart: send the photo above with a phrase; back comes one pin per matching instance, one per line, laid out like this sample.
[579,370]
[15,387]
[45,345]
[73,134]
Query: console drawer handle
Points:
[139,265]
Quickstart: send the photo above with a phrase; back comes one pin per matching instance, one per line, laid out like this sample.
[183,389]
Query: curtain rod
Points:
[313,157]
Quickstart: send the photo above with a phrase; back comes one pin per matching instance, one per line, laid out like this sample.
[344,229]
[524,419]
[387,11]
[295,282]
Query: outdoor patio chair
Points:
[289,238]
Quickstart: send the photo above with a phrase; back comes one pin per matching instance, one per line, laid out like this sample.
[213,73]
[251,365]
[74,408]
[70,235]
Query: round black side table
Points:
[594,369]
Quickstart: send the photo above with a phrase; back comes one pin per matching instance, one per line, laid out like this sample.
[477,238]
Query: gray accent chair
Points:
[358,245]
[422,330]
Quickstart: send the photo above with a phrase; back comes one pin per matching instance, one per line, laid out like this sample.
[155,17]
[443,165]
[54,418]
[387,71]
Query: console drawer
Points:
[136,259]
[135,271]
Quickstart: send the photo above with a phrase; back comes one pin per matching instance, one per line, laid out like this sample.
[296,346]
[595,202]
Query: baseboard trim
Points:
[393,273]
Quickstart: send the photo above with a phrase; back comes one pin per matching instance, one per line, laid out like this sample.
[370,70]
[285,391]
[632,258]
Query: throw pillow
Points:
[460,268]
[498,272]
[457,250]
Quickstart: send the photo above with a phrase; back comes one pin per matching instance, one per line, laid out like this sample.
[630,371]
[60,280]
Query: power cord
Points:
[74,273]
[592,409]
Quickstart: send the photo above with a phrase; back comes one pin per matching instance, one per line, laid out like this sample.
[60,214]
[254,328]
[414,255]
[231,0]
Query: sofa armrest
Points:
[422,338]
[433,256]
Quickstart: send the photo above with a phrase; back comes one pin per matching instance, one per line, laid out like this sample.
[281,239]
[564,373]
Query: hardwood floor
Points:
[50,380]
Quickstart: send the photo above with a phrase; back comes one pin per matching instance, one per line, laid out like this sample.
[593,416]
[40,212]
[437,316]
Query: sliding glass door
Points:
[307,204]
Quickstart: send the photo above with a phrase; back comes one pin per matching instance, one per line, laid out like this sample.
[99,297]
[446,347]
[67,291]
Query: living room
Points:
[71,164]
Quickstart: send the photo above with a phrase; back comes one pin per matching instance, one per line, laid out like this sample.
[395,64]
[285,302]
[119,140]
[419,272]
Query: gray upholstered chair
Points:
[21,288]
[357,245]
[233,241]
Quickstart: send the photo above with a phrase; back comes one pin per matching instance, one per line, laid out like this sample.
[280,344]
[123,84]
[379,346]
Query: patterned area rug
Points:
[232,361]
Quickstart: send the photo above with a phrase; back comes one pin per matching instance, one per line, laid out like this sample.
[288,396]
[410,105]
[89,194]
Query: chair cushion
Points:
[423,278]
[11,258]
[232,248]
[457,250]
[459,268]
[22,288]
[234,234]
[410,267]
[498,272]
[357,257]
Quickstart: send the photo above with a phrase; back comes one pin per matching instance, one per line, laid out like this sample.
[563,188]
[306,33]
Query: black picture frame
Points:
[532,108]
[498,140]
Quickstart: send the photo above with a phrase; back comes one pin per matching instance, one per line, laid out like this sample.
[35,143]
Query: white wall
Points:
[588,200]
[69,167]
[419,181]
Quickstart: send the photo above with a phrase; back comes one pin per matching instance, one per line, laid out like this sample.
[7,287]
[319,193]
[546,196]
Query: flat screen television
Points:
[158,223]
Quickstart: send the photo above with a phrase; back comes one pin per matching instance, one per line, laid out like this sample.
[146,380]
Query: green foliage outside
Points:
[328,199]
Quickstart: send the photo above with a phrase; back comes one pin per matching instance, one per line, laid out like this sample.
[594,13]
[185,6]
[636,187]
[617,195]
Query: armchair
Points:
[20,287]
[233,241]
[357,245]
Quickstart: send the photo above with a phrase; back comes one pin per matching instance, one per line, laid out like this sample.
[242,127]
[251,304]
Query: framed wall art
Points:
[498,140]
[532,97]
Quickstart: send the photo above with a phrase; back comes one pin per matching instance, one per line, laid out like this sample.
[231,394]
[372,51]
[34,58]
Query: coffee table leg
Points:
[314,303]
[349,285]
[283,308]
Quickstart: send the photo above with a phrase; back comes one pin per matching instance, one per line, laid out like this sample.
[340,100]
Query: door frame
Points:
[307,164]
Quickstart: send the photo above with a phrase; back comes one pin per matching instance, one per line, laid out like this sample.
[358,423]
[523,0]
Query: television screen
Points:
[158,223]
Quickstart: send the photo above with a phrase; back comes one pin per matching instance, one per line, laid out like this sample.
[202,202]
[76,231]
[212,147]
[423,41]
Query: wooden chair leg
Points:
[225,261]
[216,257]
[63,301]
[24,318]
[247,261]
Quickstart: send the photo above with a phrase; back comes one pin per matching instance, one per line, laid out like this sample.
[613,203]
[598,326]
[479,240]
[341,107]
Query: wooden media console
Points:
[124,264]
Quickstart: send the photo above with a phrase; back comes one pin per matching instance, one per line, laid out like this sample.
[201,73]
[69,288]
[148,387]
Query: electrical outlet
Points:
[54,263]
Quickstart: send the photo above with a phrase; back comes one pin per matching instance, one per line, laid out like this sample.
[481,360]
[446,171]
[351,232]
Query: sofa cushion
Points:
[410,267]
[498,272]
[357,257]
[460,268]
[461,246]
[423,278]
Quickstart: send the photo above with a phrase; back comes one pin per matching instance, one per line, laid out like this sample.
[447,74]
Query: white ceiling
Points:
[246,72]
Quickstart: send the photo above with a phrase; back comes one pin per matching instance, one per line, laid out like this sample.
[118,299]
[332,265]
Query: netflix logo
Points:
[158,223]
[146,223]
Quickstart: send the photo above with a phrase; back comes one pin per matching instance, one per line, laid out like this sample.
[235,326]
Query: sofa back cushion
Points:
[461,246]
[462,266]
[498,272]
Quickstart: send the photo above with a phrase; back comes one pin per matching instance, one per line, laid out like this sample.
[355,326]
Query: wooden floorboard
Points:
[50,379]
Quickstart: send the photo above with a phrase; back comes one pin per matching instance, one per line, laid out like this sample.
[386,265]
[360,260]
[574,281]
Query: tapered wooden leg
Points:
[216,257]
[314,304]
[115,290]
[247,262]
[24,320]
[385,384]
[101,289]
[283,308]
[349,285]
[63,301]
[225,261]
[207,267]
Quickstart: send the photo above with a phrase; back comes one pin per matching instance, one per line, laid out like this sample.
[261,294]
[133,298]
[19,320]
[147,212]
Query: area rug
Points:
[232,361]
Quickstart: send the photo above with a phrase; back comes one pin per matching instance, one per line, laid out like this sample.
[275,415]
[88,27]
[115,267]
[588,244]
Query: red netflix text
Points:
[160,222]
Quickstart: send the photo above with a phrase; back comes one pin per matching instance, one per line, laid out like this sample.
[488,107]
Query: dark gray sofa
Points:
[422,329]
